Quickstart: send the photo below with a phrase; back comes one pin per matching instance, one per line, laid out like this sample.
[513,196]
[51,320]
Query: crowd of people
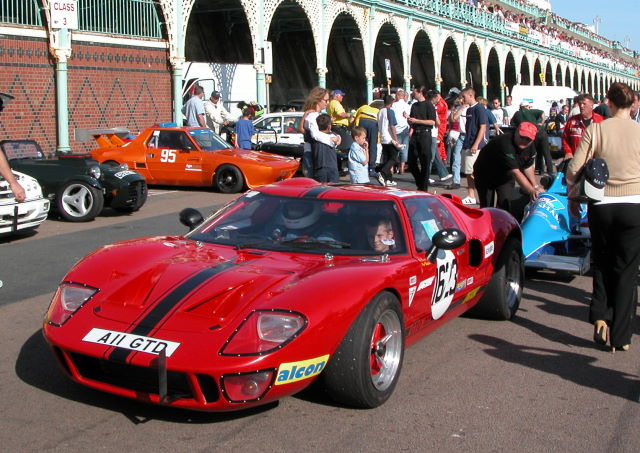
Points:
[550,29]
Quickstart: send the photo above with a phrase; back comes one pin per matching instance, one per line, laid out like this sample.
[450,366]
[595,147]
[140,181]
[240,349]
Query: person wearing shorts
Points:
[477,135]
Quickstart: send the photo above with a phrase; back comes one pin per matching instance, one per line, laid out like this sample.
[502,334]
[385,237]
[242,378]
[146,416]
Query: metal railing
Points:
[461,12]
[137,18]
[584,33]
[526,8]
[20,12]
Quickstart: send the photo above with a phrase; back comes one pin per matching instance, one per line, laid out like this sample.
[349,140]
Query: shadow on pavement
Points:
[577,368]
[37,367]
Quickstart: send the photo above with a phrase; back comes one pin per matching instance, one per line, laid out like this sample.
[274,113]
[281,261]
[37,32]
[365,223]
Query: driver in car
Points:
[380,235]
[299,219]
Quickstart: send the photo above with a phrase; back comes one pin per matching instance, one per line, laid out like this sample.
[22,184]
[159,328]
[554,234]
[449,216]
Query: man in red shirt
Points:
[577,124]
[442,110]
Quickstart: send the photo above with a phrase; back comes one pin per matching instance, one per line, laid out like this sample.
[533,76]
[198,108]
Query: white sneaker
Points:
[446,178]
[468,200]
[431,181]
[391,183]
[380,179]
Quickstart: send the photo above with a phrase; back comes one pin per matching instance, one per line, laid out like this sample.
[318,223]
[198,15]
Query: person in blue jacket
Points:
[244,130]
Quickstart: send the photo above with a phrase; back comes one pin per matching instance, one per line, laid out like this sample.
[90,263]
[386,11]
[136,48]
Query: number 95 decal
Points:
[168,155]
[445,285]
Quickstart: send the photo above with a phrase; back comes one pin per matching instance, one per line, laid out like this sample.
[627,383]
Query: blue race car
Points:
[552,239]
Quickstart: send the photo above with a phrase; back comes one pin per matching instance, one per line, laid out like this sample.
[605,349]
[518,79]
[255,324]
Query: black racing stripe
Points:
[162,308]
[316,192]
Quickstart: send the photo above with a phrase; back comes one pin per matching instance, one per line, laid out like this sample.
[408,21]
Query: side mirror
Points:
[447,239]
[191,218]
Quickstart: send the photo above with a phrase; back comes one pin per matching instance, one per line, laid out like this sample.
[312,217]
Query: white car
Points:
[21,216]
[279,127]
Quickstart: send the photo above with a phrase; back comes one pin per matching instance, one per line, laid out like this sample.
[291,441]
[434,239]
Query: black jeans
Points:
[345,137]
[390,156]
[420,157]
[615,236]
[487,193]
[543,155]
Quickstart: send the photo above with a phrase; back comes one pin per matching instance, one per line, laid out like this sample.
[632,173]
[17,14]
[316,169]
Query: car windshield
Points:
[306,225]
[208,140]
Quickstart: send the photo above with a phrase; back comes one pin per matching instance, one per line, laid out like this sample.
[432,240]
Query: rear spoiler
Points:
[106,138]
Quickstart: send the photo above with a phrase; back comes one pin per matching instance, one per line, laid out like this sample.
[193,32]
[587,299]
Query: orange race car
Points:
[190,156]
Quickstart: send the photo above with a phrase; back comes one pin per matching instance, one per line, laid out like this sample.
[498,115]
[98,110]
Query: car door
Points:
[290,132]
[439,285]
[269,129]
[173,158]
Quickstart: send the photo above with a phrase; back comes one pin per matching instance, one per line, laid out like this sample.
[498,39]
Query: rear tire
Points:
[78,201]
[228,179]
[502,297]
[364,370]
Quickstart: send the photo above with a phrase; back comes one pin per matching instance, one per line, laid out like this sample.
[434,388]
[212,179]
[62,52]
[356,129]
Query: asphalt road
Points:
[535,384]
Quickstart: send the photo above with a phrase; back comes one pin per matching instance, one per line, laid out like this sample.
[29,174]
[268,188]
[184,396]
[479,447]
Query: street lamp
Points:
[597,20]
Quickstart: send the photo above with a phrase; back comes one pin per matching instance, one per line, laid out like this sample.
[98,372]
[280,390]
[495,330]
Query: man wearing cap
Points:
[576,125]
[339,119]
[537,117]
[507,159]
[193,109]
[217,115]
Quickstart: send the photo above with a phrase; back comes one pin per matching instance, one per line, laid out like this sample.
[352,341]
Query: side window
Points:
[153,141]
[174,140]
[291,124]
[427,216]
[274,123]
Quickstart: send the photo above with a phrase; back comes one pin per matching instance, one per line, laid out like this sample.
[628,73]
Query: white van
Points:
[541,97]
[236,82]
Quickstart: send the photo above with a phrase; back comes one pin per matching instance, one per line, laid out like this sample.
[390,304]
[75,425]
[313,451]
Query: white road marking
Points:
[153,192]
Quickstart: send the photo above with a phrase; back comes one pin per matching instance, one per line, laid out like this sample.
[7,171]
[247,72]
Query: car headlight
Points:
[67,300]
[264,331]
[123,166]
[95,171]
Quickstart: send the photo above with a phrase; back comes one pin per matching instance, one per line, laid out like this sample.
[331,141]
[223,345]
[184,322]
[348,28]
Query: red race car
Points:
[190,156]
[288,283]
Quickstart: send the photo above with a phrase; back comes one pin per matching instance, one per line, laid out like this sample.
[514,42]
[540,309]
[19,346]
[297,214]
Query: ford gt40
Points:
[289,283]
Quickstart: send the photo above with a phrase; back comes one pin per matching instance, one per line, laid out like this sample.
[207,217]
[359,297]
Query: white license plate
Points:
[130,341]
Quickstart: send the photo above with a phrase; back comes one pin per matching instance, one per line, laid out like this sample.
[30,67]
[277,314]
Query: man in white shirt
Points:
[502,117]
[217,115]
[510,109]
[388,138]
[402,109]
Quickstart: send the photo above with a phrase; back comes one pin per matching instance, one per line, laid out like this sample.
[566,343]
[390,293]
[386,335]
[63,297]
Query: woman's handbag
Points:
[592,178]
[590,182]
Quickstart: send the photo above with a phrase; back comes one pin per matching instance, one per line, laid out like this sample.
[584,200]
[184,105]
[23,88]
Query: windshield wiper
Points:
[251,244]
[310,243]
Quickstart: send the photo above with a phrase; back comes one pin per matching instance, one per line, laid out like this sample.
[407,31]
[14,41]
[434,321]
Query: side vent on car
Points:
[475,252]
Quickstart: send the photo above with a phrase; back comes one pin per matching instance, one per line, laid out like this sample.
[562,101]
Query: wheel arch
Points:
[93,182]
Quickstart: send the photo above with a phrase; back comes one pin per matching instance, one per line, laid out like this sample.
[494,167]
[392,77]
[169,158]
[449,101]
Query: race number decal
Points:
[445,284]
[167,155]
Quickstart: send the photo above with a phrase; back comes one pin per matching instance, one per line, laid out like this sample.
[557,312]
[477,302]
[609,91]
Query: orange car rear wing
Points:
[106,138]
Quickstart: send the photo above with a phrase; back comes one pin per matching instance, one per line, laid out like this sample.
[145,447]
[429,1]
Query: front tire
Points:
[364,370]
[502,297]
[228,179]
[78,201]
